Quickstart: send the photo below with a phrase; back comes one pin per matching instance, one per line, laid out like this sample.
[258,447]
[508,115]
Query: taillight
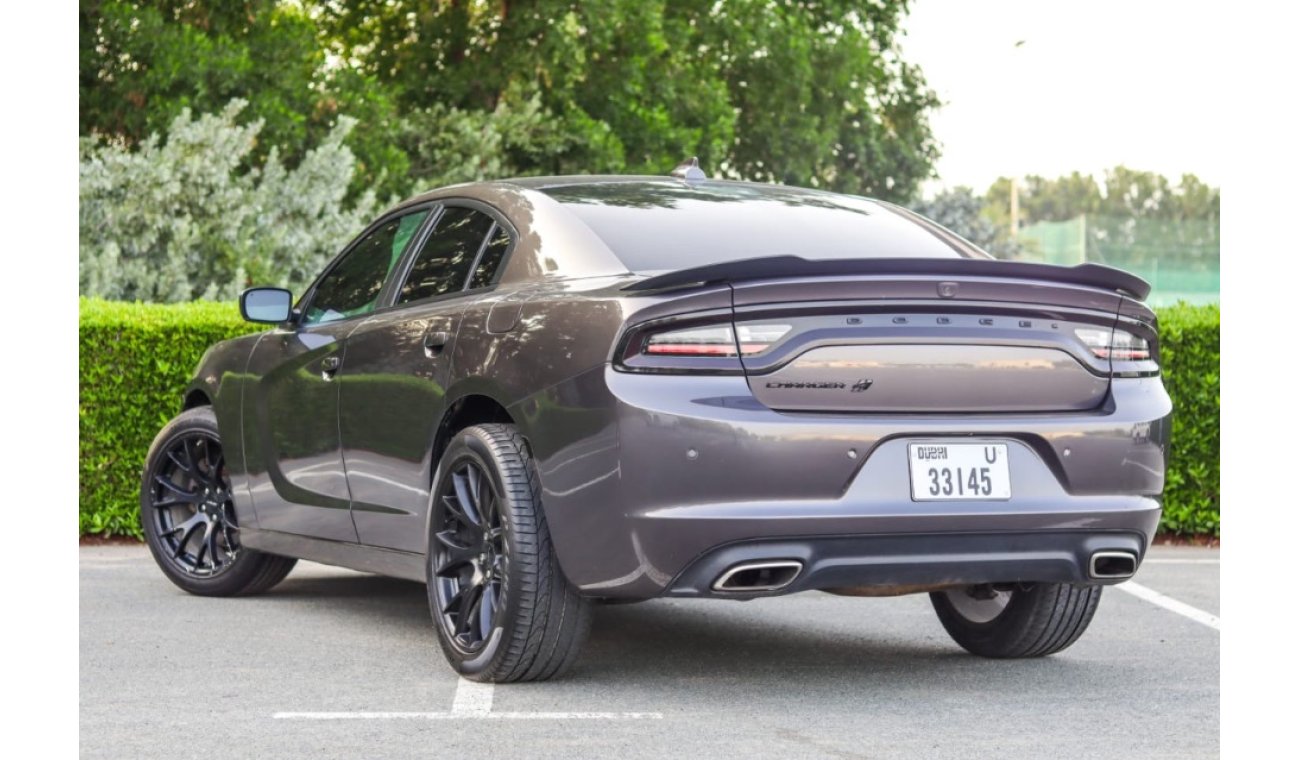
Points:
[699,341]
[745,340]
[1117,345]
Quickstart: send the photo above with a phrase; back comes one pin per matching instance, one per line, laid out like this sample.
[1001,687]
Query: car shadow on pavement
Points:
[381,600]
[673,642]
[825,646]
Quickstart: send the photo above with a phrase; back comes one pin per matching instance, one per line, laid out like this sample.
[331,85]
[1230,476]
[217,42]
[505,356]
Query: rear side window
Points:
[443,263]
[352,287]
[489,264]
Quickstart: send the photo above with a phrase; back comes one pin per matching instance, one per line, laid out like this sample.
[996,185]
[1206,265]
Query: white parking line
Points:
[1169,603]
[362,715]
[472,701]
[465,716]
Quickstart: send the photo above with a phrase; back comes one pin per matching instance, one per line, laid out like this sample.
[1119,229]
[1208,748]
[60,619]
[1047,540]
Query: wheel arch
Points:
[474,405]
[472,408]
[194,398]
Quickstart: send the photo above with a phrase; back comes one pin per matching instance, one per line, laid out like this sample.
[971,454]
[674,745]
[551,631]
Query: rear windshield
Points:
[671,225]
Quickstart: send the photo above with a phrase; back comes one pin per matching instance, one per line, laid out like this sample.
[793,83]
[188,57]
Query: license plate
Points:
[959,471]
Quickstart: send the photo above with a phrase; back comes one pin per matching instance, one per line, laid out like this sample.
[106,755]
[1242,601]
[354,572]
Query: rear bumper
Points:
[671,475]
[881,564]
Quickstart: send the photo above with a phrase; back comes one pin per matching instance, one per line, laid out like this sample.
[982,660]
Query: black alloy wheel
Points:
[191,506]
[188,514]
[471,561]
[501,606]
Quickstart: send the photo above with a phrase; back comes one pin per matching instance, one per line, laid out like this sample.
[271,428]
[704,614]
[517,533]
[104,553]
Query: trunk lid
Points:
[917,344]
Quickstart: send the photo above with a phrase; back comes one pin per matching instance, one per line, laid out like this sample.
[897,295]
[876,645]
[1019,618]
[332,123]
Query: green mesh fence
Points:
[1180,258]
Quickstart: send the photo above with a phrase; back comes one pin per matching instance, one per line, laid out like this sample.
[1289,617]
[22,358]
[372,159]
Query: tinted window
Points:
[486,272]
[352,287]
[670,225]
[442,265]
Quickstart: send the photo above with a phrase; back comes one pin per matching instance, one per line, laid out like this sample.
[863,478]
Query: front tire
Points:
[501,606]
[1024,621]
[187,512]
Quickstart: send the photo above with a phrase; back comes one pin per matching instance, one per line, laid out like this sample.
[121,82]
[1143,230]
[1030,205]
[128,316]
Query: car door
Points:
[291,409]
[399,365]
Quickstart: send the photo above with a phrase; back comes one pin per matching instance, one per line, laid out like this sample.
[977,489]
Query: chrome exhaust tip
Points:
[1112,565]
[769,575]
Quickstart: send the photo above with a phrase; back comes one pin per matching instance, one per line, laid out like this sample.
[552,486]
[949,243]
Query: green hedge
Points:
[137,358]
[135,361]
[1189,358]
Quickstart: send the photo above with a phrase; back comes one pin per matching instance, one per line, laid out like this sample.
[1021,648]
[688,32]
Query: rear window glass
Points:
[671,225]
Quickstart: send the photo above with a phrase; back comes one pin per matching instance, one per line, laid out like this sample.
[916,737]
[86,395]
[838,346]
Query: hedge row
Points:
[1189,358]
[137,358]
[135,362]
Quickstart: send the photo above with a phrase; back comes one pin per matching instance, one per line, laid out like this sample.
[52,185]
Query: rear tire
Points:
[501,606]
[187,512]
[1031,621]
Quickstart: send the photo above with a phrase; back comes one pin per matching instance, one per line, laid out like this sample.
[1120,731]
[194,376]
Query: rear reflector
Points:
[715,341]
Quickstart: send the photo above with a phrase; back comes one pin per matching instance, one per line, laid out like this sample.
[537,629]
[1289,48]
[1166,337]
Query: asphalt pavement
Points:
[333,663]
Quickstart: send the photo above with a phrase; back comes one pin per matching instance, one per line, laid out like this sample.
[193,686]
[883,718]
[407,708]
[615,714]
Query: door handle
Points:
[435,341]
[329,366]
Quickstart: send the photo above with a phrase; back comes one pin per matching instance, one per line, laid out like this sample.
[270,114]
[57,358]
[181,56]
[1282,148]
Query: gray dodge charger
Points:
[535,395]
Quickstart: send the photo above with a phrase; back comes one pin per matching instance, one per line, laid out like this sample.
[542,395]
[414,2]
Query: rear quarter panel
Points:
[548,369]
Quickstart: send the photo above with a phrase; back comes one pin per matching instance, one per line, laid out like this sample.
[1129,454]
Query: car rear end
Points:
[879,435]
[841,414]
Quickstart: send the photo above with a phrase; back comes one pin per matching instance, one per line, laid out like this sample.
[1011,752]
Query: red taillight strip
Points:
[703,349]
[1123,354]
[691,349]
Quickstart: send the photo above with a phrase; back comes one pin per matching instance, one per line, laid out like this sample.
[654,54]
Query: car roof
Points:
[648,184]
[634,182]
[540,183]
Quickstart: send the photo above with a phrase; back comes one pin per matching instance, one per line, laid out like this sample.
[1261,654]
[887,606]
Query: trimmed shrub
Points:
[136,359]
[183,218]
[1189,360]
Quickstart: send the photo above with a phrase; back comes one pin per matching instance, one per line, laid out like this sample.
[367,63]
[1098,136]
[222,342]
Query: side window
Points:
[352,287]
[486,272]
[442,265]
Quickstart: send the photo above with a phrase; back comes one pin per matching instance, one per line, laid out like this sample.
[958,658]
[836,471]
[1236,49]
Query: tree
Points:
[143,64]
[1136,220]
[447,145]
[1193,199]
[807,92]
[1146,195]
[1135,194]
[822,95]
[811,93]
[960,210]
[1044,199]
[179,219]
[1125,193]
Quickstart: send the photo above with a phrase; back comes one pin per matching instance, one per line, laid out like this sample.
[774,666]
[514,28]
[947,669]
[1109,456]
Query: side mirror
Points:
[270,305]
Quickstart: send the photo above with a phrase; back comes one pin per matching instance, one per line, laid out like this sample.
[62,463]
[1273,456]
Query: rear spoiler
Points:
[773,267]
